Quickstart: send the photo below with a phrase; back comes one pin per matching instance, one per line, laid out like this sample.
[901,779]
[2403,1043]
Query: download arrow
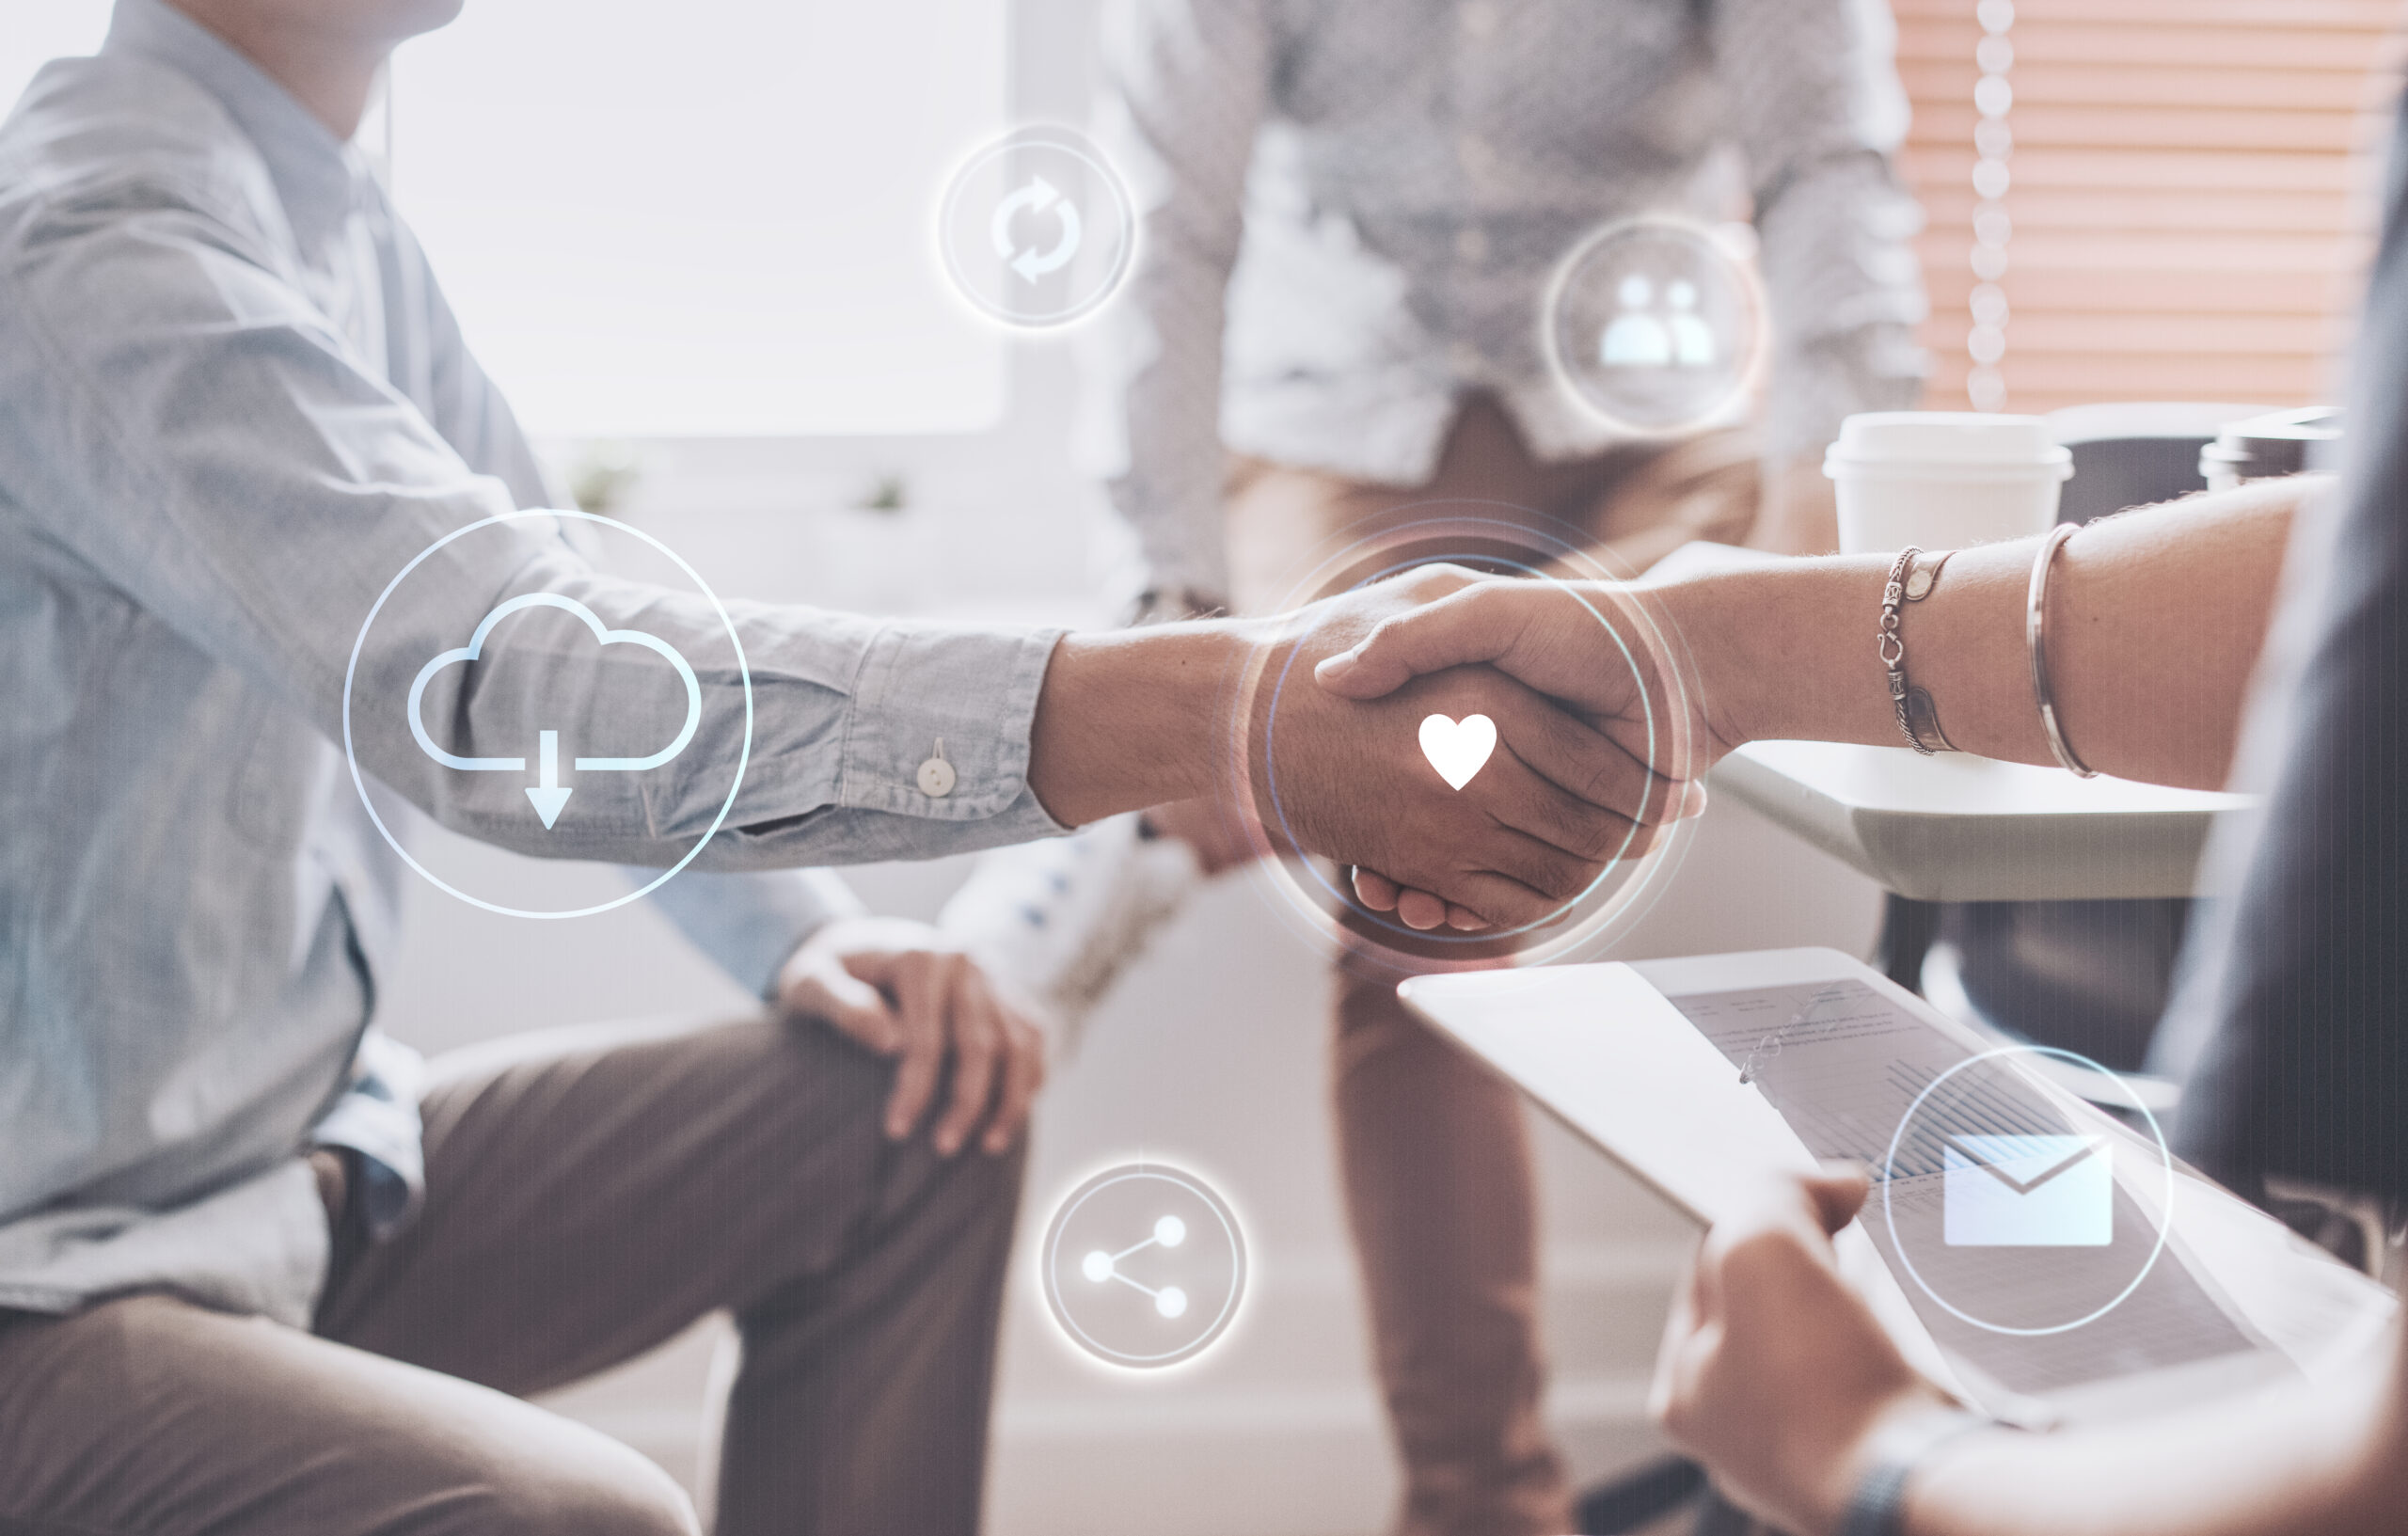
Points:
[549,795]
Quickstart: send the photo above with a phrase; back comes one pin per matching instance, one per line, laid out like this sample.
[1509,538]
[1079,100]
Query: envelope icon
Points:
[2027,1192]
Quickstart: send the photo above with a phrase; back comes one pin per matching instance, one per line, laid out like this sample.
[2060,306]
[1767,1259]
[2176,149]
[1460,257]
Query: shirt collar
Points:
[316,174]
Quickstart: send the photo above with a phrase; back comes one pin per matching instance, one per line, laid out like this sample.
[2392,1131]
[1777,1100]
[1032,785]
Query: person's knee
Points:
[606,1491]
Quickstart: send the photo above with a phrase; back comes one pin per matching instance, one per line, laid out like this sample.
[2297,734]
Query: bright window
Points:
[33,31]
[708,219]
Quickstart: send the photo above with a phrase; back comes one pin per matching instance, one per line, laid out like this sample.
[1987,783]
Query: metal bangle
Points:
[2036,608]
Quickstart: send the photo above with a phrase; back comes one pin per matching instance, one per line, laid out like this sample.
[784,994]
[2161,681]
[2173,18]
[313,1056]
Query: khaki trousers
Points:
[1432,1150]
[589,1193]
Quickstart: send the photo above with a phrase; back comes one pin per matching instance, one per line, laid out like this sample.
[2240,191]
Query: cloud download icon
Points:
[549,795]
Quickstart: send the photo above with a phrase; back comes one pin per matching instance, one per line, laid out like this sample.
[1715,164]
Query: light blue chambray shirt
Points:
[233,405]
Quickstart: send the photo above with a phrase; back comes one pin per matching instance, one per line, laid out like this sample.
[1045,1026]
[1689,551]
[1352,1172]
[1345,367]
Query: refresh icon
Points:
[1036,228]
[549,795]
[1037,197]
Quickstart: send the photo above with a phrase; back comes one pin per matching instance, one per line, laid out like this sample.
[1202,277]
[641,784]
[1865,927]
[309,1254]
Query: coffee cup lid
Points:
[1947,444]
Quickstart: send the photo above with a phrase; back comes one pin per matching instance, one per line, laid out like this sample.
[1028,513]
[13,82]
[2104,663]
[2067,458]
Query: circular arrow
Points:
[1037,197]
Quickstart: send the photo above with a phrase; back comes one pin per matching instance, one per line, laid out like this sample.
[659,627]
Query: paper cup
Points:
[1944,478]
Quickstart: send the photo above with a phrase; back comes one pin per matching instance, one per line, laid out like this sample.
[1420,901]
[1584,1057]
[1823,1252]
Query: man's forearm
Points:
[2155,621]
[1133,718]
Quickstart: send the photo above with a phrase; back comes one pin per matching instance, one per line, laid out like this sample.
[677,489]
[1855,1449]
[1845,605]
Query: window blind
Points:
[2143,200]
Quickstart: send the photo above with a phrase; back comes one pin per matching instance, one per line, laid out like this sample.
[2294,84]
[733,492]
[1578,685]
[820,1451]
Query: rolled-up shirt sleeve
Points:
[210,444]
[1813,97]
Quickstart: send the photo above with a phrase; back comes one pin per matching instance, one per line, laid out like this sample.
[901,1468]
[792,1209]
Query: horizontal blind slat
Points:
[2189,196]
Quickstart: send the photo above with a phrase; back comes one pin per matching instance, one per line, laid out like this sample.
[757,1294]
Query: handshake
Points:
[1479,750]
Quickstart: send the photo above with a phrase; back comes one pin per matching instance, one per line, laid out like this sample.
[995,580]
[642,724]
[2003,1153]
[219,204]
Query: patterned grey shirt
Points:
[232,406]
[1349,209]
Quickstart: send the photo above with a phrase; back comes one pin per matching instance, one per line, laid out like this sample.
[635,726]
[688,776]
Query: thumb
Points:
[1837,1194]
[1451,632]
[856,1008]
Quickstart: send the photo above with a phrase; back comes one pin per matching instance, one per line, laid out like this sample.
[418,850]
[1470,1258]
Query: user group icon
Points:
[1143,1266]
[1036,228]
[1654,325]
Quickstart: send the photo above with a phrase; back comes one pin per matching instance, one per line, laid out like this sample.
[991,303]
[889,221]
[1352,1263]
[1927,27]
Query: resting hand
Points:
[1774,1372]
[1538,823]
[898,988]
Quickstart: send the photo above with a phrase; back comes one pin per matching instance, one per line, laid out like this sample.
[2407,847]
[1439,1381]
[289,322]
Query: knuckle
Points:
[1606,837]
[1764,1251]
[1601,778]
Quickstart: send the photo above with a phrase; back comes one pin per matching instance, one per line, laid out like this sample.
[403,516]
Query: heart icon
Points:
[1458,748]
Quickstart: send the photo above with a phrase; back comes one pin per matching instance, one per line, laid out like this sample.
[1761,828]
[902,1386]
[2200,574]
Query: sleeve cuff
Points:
[750,923]
[938,725]
[377,1118]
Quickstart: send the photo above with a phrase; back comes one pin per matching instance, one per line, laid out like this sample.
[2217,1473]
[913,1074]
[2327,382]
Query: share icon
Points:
[1100,1266]
[1142,1265]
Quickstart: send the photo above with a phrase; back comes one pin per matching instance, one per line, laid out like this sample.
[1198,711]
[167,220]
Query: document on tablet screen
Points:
[1849,1068]
[2011,1242]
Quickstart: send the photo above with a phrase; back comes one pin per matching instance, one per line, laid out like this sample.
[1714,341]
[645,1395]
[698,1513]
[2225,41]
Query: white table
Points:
[1958,828]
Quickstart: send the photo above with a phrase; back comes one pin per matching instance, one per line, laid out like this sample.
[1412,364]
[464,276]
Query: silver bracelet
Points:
[2036,608]
[1918,721]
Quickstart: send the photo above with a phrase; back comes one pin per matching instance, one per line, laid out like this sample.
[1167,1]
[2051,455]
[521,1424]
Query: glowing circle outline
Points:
[1052,137]
[2164,1226]
[743,668]
[1049,1263]
[1471,526]
[1743,382]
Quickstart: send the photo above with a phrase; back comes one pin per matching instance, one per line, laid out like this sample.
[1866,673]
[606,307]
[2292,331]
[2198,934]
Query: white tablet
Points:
[1706,1077]
[1602,1050]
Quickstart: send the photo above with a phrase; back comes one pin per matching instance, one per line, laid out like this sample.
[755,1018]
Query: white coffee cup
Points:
[1944,478]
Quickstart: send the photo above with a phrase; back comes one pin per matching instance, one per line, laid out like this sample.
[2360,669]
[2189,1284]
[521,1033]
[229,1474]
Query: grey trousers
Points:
[589,1193]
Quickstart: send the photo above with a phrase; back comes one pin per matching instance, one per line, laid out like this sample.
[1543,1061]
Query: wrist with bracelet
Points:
[1912,577]
[1878,1507]
[2036,625]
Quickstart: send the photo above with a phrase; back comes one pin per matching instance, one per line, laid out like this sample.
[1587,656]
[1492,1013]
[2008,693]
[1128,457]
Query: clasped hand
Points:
[1594,743]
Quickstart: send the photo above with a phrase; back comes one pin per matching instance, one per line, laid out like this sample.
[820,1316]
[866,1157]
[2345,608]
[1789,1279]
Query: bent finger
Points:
[976,1027]
[919,995]
[1473,625]
[1419,910]
[855,1010]
[1375,890]
[1024,1073]
[1587,764]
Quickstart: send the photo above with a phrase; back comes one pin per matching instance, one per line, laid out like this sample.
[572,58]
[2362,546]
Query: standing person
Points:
[1351,212]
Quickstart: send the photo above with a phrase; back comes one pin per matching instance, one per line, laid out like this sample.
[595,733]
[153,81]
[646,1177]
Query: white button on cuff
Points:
[936,775]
